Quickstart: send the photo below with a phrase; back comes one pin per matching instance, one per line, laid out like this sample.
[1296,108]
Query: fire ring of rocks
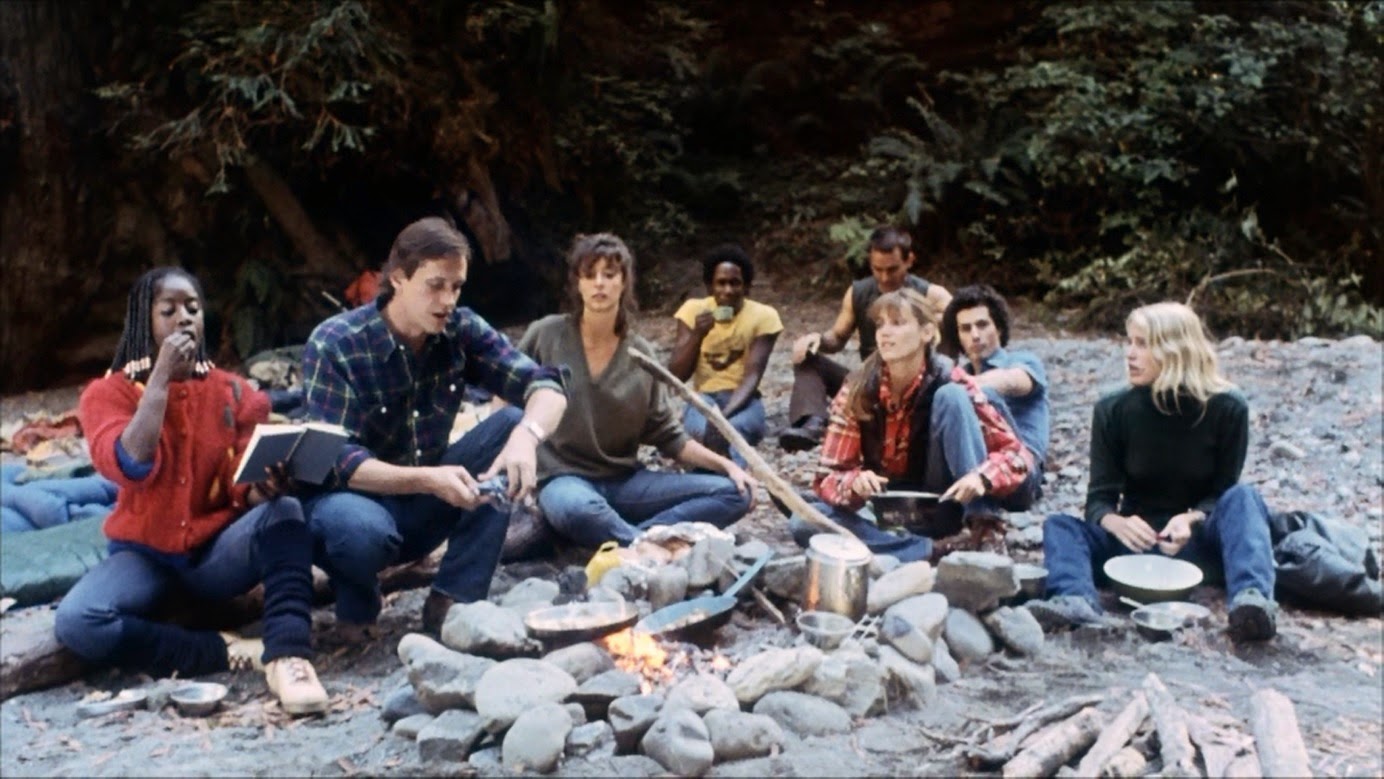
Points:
[491,694]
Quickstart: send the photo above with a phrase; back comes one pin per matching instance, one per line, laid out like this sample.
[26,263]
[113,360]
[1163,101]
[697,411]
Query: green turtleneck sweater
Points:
[1156,465]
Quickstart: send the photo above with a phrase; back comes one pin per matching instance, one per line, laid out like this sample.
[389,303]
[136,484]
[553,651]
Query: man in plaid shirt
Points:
[392,373]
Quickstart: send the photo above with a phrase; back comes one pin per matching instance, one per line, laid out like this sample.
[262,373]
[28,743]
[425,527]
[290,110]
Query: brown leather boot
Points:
[294,681]
[435,610]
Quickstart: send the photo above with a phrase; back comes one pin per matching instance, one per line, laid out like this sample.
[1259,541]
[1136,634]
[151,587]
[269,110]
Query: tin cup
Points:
[838,577]
[723,313]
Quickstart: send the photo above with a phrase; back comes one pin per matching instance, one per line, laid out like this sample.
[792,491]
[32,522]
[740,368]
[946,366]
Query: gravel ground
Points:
[1316,444]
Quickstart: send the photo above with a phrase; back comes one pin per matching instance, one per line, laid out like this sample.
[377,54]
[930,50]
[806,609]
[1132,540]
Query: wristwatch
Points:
[534,430]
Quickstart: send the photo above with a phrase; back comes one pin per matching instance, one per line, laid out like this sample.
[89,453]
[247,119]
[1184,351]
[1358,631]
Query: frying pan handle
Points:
[748,575]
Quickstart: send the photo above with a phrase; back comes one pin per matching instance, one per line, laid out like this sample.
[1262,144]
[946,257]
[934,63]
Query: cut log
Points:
[1001,749]
[1059,744]
[1128,762]
[1216,753]
[1115,736]
[1273,721]
[1244,766]
[1179,758]
[759,467]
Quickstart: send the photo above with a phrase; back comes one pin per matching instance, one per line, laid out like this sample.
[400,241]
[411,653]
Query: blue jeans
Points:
[103,619]
[957,446]
[749,421]
[357,535]
[589,512]
[907,547]
[1235,538]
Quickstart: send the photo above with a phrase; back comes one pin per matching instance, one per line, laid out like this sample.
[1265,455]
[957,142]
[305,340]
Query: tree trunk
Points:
[48,217]
[318,251]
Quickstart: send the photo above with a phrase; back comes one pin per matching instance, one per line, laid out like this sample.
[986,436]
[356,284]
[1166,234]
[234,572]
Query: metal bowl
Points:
[123,701]
[919,512]
[823,629]
[1151,578]
[198,699]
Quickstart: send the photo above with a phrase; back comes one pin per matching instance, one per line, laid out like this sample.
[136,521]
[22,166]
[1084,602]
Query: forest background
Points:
[1083,156]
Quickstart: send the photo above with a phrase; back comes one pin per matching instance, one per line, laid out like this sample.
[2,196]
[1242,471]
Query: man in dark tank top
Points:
[816,377]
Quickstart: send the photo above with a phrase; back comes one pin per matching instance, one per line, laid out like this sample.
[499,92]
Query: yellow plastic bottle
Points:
[605,558]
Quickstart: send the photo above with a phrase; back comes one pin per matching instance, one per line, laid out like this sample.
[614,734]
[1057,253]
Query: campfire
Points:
[644,656]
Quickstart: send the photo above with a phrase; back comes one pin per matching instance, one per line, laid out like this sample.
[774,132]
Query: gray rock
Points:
[631,717]
[784,577]
[484,629]
[701,693]
[906,680]
[976,581]
[515,686]
[530,594]
[881,564]
[943,663]
[902,582]
[1017,629]
[1286,451]
[706,561]
[772,669]
[750,551]
[737,735]
[486,761]
[891,737]
[409,727]
[804,715]
[450,737]
[927,613]
[596,693]
[400,703]
[581,661]
[577,712]
[907,638]
[667,584]
[441,678]
[968,639]
[850,679]
[536,740]
[628,581]
[594,739]
[619,765]
[603,594]
[679,741]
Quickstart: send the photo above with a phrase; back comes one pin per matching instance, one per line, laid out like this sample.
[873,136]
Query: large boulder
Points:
[976,581]
[1017,629]
[738,735]
[482,628]
[927,613]
[582,661]
[967,637]
[803,714]
[450,737]
[535,741]
[850,679]
[773,669]
[515,686]
[631,717]
[902,582]
[442,679]
[680,742]
[702,693]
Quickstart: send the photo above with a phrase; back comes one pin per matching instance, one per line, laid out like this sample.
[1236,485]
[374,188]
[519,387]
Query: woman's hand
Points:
[867,483]
[279,483]
[1132,531]
[744,482]
[1178,532]
[175,359]
[966,489]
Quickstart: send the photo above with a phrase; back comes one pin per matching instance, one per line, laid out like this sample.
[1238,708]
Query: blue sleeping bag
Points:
[45,503]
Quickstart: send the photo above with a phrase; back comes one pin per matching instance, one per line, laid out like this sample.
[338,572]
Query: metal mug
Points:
[838,577]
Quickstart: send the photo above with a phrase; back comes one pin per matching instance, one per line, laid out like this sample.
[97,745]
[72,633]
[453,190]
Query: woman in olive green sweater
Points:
[592,485]
[1166,456]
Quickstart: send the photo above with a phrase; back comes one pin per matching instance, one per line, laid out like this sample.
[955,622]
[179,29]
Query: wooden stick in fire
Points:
[759,467]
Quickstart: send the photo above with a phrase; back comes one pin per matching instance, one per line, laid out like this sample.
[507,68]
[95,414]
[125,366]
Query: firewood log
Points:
[1001,749]
[1244,766]
[1274,724]
[1128,762]
[1179,758]
[1115,735]
[1060,744]
[1216,754]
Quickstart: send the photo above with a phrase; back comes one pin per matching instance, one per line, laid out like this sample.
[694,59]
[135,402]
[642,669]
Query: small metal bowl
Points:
[123,701]
[823,629]
[198,699]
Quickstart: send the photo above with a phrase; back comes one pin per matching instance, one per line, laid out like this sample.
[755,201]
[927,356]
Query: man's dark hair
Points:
[887,238]
[430,238]
[586,251]
[732,253]
[134,355]
[971,297]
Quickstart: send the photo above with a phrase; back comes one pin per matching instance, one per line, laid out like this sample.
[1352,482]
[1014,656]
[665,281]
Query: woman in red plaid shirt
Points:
[909,420]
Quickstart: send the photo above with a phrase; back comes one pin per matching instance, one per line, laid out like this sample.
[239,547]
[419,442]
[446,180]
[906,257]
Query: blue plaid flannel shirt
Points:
[397,406]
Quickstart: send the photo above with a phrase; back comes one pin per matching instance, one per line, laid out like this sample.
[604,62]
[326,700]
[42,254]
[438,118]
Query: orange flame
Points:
[639,654]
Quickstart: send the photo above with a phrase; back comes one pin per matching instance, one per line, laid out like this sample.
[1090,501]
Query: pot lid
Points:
[838,547]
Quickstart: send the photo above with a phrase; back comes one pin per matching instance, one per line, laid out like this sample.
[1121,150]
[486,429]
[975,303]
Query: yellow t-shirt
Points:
[721,364]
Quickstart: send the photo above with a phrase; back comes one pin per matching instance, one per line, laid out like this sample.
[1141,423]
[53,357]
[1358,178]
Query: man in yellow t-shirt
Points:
[724,342]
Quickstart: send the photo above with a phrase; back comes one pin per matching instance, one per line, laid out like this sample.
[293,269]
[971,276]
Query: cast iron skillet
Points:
[580,621]
[919,512]
[698,617]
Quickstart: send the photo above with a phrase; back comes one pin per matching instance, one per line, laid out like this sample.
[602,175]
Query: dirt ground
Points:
[1318,400]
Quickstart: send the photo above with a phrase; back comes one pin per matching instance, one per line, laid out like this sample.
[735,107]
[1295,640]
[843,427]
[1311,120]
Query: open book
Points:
[310,449]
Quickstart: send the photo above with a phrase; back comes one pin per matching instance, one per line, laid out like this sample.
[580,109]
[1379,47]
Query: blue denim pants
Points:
[1234,539]
[749,421]
[907,547]
[589,512]
[958,447]
[357,535]
[104,618]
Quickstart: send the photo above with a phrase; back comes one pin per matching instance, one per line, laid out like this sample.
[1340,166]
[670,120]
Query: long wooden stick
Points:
[1001,749]
[1115,736]
[1274,723]
[1058,745]
[759,467]
[1179,758]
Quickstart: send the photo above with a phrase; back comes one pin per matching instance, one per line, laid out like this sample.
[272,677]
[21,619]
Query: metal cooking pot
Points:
[580,621]
[838,576]
[1152,578]
[698,618]
[919,512]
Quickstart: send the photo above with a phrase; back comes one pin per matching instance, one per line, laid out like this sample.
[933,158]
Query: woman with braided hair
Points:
[168,427]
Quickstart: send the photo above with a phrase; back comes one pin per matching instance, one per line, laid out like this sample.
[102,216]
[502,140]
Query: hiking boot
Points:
[802,437]
[1063,611]
[294,682]
[435,610]
[242,653]
[1253,617]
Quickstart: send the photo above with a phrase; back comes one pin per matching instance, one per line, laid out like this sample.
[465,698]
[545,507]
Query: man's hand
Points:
[1132,531]
[966,489]
[867,483]
[1178,532]
[744,482]
[806,345]
[703,323]
[519,462]
[454,485]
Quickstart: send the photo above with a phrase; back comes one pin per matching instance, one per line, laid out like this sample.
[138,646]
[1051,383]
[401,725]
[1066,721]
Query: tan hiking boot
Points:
[242,653]
[295,683]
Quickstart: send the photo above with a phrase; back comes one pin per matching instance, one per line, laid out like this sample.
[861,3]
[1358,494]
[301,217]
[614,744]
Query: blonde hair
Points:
[893,304]
[1187,361]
